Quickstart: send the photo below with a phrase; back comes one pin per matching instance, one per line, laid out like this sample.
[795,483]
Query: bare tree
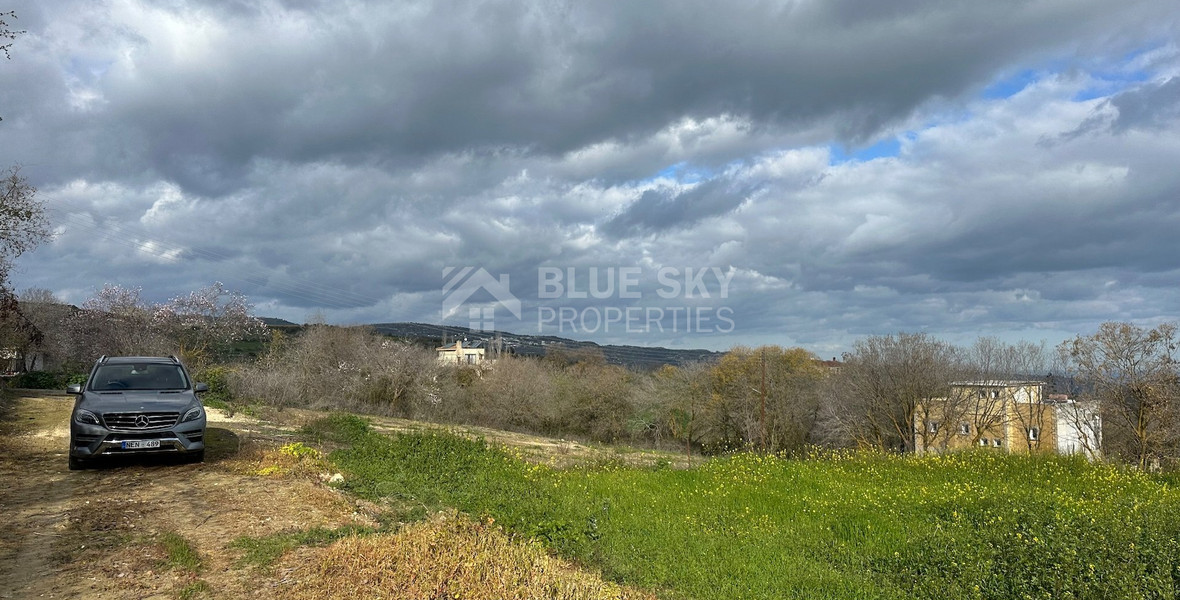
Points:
[888,388]
[17,332]
[23,224]
[37,296]
[993,364]
[517,394]
[115,321]
[1086,420]
[6,33]
[348,368]
[684,393]
[767,396]
[46,317]
[595,400]
[1131,373]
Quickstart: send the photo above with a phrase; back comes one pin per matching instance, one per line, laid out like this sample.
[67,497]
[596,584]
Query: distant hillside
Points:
[640,357]
[276,322]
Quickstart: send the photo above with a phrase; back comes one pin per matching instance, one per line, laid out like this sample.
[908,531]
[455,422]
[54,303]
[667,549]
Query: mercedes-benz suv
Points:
[133,405]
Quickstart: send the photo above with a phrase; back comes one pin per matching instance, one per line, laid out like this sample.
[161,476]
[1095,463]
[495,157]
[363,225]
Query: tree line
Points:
[776,399]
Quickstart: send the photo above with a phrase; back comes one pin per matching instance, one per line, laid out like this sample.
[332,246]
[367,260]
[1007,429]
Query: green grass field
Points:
[970,525]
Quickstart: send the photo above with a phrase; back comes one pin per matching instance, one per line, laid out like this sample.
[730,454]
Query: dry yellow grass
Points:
[449,556]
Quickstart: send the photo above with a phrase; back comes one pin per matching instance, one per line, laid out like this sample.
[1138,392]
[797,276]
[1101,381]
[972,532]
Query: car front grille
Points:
[139,421]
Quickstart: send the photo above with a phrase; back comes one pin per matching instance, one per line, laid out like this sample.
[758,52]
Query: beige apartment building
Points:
[1015,416]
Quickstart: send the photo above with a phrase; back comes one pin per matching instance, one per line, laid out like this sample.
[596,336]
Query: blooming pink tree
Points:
[207,323]
[201,326]
[115,321]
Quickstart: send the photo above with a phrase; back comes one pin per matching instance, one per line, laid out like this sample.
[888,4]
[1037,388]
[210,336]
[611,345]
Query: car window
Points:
[112,378]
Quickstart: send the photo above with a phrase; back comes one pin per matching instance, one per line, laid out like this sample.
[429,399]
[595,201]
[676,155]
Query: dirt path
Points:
[158,529]
[102,533]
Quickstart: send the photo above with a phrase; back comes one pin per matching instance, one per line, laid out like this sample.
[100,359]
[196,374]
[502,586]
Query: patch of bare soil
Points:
[558,453]
[98,533]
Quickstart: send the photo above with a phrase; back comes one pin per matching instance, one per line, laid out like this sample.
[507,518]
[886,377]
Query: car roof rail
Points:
[102,358]
[174,359]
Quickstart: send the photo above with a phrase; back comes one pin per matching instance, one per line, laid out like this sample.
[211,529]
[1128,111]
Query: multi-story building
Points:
[1008,415]
[460,353]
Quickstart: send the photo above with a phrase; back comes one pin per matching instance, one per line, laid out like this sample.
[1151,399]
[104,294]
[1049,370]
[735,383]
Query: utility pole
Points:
[762,416]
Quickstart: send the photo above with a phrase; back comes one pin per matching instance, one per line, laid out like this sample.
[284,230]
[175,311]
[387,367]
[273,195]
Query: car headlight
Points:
[86,418]
[192,414]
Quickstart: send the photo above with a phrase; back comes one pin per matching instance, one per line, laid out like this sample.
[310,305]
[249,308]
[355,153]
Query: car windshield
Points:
[121,377]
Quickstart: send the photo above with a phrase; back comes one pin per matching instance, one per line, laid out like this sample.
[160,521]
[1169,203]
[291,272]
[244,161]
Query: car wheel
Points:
[77,464]
[196,457]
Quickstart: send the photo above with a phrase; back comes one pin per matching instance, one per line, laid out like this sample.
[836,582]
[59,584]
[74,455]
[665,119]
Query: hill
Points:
[639,357]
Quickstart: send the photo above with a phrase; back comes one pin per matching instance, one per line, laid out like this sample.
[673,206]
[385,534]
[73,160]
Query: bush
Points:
[331,368]
[340,428]
[217,378]
[39,380]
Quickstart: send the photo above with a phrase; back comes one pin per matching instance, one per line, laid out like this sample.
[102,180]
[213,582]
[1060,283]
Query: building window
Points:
[995,394]
[983,442]
[964,429]
[472,358]
[934,427]
[996,442]
[1034,434]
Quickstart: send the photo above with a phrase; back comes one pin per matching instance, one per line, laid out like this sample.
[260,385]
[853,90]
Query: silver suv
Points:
[135,405]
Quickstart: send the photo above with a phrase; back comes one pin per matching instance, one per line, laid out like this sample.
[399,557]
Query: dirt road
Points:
[112,532]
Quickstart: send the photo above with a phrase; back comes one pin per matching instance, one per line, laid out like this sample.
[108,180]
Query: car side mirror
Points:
[74,388]
[200,387]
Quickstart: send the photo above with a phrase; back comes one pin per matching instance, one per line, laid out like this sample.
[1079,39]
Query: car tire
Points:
[196,457]
[77,464]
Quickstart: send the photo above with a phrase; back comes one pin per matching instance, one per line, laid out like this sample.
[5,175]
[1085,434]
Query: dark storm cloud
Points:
[367,82]
[657,210]
[1148,107]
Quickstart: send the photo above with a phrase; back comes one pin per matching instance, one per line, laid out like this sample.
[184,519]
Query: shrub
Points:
[217,378]
[339,428]
[39,380]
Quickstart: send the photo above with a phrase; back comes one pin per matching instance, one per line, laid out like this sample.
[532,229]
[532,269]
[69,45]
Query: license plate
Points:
[140,444]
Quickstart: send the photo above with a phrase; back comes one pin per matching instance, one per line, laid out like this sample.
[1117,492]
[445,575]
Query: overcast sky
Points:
[834,168]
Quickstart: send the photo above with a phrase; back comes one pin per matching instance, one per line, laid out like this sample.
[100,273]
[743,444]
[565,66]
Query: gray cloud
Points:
[1149,107]
[320,156]
[657,210]
[197,103]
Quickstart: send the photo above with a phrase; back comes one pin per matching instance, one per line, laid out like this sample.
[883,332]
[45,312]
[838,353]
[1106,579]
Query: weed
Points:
[264,551]
[337,428]
[195,590]
[299,450]
[179,553]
